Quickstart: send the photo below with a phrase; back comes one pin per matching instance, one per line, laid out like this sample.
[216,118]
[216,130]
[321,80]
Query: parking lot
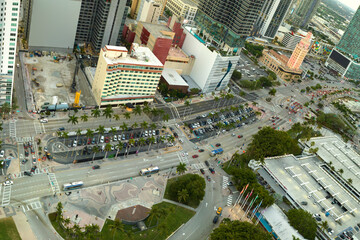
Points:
[307,182]
[208,125]
[249,70]
[82,147]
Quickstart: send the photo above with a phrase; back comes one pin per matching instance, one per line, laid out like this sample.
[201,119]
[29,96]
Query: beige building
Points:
[185,9]
[150,12]
[123,77]
[179,61]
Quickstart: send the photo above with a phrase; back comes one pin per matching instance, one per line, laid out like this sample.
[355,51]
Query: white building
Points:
[9,20]
[183,8]
[211,71]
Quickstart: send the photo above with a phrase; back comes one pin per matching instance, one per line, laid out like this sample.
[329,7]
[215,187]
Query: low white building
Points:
[212,70]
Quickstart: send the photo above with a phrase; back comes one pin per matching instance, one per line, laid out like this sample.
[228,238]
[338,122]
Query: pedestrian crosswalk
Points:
[183,157]
[37,171]
[225,182]
[6,196]
[229,200]
[53,183]
[31,206]
[24,139]
[199,166]
[12,128]
[38,128]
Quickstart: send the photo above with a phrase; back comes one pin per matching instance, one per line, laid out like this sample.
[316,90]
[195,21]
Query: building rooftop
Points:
[133,214]
[176,52]
[158,30]
[284,60]
[189,2]
[173,78]
[139,56]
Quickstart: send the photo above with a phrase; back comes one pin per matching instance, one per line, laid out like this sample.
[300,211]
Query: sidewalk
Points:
[179,204]
[23,227]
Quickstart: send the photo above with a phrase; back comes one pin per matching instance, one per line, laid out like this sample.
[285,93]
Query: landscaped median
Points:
[163,220]
[8,230]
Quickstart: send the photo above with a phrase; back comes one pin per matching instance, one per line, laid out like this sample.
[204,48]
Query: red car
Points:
[201,150]
[107,139]
[240,136]
[218,145]
[195,156]
[202,171]
[208,178]
[89,141]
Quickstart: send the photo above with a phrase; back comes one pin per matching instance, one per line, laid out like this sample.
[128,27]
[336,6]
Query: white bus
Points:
[150,170]
[73,185]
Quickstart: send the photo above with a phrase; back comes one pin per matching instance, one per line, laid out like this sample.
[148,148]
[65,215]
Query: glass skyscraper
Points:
[350,41]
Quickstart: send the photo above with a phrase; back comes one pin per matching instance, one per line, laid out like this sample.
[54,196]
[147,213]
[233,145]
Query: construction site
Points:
[50,76]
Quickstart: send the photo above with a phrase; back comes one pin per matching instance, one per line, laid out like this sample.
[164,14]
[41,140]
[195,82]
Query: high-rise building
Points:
[185,9]
[227,22]
[9,21]
[299,53]
[150,12]
[270,18]
[58,25]
[350,40]
[302,14]
[123,77]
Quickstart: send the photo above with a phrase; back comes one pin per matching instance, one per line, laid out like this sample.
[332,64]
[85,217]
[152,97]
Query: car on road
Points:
[2,153]
[45,149]
[212,170]
[24,161]
[33,169]
[8,183]
[26,173]
[176,135]
[208,178]
[216,219]
[26,153]
[32,150]
[96,167]
[62,129]
[44,120]
[195,156]
[219,211]
[218,145]
[201,150]
[304,203]
[202,171]
[240,136]
[207,163]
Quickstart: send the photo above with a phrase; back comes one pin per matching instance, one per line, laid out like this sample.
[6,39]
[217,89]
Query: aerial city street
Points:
[180,119]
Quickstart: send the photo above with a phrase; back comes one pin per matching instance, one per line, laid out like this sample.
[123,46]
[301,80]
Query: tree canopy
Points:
[195,186]
[236,75]
[330,120]
[301,131]
[234,230]
[302,221]
[269,142]
[255,50]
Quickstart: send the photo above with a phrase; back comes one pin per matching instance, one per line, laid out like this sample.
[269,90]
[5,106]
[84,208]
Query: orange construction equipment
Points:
[77,99]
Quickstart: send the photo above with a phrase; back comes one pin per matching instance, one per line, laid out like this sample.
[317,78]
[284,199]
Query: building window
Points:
[15,4]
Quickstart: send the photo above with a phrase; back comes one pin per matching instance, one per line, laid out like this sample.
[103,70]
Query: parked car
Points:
[201,150]
[8,183]
[102,139]
[26,173]
[74,143]
[218,145]
[202,171]
[33,169]
[207,163]
[240,136]
[208,178]
[212,170]
[219,211]
[2,153]
[195,156]
[24,161]
[215,220]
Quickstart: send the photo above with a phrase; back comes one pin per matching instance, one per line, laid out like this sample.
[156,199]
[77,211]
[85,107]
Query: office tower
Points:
[185,9]
[299,53]
[9,21]
[350,41]
[227,22]
[302,14]
[123,77]
[150,12]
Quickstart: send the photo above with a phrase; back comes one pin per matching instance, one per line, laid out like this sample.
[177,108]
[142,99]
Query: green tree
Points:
[73,119]
[89,133]
[119,146]
[302,221]
[166,117]
[239,230]
[324,225]
[95,113]
[108,111]
[124,127]
[137,110]
[116,226]
[181,168]
[272,91]
[65,135]
[183,195]
[84,118]
[144,125]
[116,117]
[107,149]
[59,211]
[156,213]
[95,150]
[100,130]
[236,75]
[127,115]
[194,91]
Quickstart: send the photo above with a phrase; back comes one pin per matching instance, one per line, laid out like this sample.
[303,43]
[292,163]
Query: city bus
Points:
[216,152]
[150,170]
[73,185]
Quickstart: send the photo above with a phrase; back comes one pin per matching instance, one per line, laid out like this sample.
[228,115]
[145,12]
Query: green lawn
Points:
[8,229]
[173,222]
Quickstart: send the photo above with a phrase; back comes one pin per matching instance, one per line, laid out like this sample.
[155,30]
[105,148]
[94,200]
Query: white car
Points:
[2,153]
[44,120]
[115,138]
[102,139]
[75,143]
[8,183]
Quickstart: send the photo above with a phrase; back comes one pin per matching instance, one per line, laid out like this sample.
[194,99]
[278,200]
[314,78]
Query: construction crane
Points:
[77,99]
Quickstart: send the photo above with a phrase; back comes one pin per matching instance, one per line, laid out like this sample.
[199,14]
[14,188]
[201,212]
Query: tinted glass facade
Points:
[350,41]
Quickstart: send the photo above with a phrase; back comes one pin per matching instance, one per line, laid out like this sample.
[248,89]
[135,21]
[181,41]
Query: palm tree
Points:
[216,99]
[153,126]
[161,140]
[181,168]
[116,117]
[141,142]
[119,146]
[108,111]
[130,144]
[77,231]
[156,212]
[183,195]
[144,125]
[100,130]
[127,115]
[341,171]
[65,135]
[171,139]
[95,113]
[59,134]
[59,208]
[89,133]
[324,225]
[137,110]
[95,150]
[107,149]
[151,140]
[166,117]
[124,127]
[116,226]
[84,118]
[146,109]
[73,119]
[113,130]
